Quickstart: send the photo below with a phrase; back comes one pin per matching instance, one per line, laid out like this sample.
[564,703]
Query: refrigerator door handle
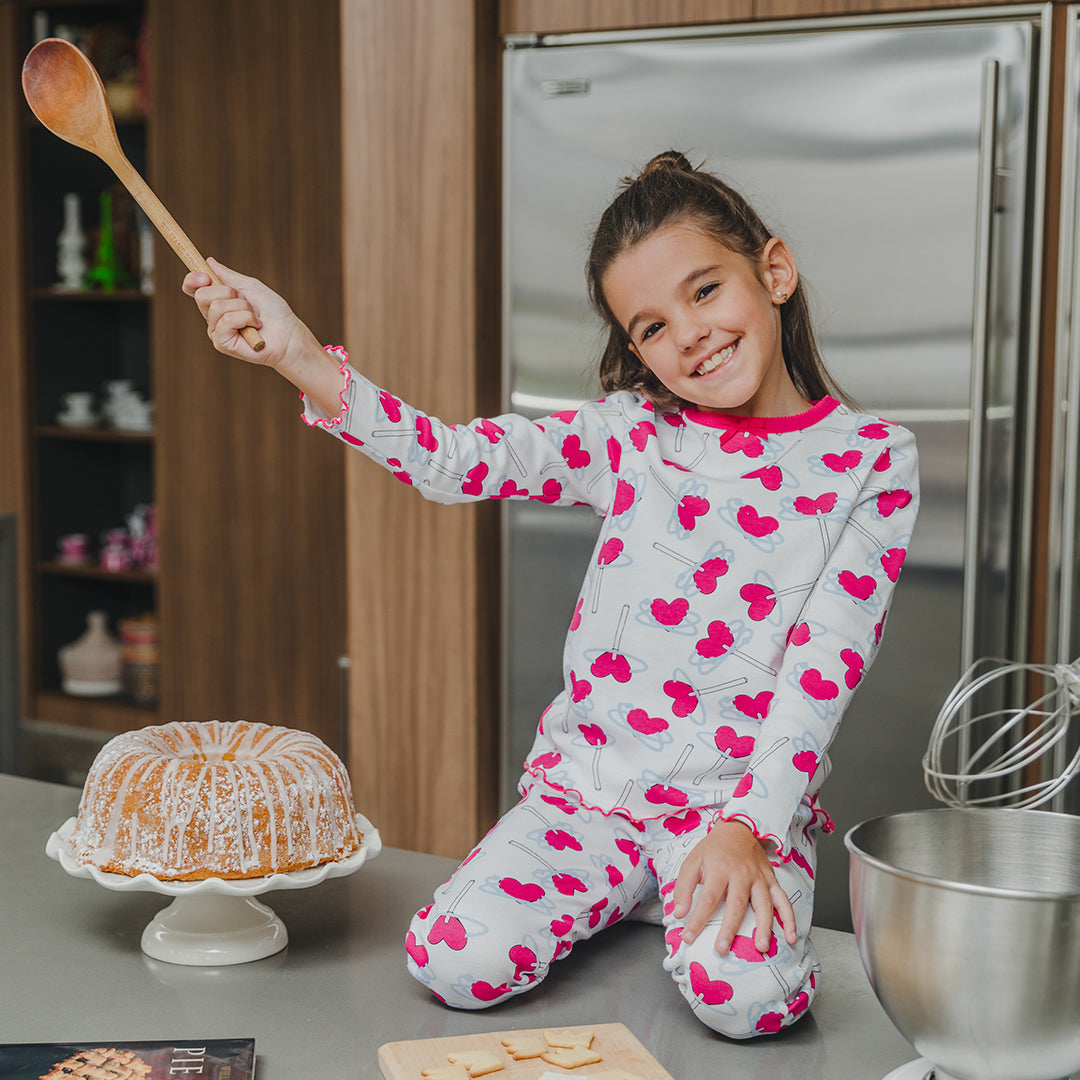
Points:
[980,361]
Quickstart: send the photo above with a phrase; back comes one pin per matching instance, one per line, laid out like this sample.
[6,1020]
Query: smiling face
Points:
[706,320]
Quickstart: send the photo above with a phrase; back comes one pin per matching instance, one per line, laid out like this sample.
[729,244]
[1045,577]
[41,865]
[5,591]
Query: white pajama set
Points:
[735,598]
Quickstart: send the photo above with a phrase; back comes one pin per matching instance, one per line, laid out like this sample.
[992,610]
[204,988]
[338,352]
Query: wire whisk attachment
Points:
[1004,750]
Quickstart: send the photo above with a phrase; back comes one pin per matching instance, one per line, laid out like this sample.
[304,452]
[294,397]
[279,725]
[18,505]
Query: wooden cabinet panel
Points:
[246,154]
[421,316]
[568,16]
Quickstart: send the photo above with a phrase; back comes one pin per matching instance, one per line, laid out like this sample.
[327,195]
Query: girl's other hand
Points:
[731,864]
[241,301]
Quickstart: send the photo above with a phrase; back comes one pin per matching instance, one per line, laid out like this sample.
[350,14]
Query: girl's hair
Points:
[668,191]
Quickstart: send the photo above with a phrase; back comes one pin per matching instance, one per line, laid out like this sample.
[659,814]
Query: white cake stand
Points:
[214,922]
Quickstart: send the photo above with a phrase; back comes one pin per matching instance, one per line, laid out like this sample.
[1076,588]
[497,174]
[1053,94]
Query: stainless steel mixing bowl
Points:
[968,925]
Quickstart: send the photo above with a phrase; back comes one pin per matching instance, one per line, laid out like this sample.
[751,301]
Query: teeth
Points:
[714,361]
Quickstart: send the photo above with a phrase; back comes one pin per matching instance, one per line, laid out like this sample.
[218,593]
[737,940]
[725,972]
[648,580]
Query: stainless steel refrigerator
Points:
[901,159]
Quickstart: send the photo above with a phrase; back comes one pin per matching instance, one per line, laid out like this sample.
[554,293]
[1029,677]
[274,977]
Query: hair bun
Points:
[668,161]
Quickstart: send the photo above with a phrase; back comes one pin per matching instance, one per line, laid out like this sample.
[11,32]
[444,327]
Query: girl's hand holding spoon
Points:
[290,347]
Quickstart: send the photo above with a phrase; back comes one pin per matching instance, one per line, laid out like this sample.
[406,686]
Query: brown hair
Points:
[669,190]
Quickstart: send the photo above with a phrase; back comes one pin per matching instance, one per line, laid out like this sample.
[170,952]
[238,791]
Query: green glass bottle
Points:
[106,272]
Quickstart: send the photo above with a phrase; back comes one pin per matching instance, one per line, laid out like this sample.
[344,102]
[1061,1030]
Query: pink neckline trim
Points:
[766,425]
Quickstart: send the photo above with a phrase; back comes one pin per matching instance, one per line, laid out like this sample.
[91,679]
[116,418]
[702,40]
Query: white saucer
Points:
[215,921]
[913,1070]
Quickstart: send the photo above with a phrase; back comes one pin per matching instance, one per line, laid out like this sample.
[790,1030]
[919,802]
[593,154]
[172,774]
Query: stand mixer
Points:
[968,917]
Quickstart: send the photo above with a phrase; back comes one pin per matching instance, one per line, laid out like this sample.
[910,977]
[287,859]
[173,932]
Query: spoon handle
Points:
[166,224]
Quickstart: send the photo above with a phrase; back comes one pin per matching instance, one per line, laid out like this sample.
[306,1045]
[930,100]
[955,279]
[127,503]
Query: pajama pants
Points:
[551,874]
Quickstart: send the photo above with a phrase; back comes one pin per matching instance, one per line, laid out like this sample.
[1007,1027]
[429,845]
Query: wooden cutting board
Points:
[618,1048]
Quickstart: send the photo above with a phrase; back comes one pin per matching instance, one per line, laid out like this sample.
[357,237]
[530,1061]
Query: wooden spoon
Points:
[67,96]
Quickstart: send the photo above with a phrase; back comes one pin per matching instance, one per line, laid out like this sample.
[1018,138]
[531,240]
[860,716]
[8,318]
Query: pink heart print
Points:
[484,991]
[523,959]
[662,794]
[874,431]
[629,849]
[546,761]
[771,477]
[736,746]
[817,686]
[769,1023]
[575,457]
[614,453]
[759,525]
[892,562]
[424,435]
[474,479]
[743,442]
[416,950]
[579,688]
[448,929]
[562,926]
[823,504]
[491,431]
[640,432]
[567,416]
[709,991]
[890,501]
[614,664]
[743,786]
[391,406]
[757,708]
[567,884]
[805,761]
[551,491]
[509,490]
[884,461]
[842,462]
[745,949]
[706,575]
[683,698]
[760,598]
[854,664]
[799,634]
[560,840]
[624,497]
[610,550]
[565,805]
[862,588]
[575,622]
[642,722]
[691,507]
[670,614]
[528,891]
[594,734]
[718,641]
[678,824]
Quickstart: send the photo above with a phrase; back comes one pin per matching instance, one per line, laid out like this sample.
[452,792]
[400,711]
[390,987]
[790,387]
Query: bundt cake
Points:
[186,801]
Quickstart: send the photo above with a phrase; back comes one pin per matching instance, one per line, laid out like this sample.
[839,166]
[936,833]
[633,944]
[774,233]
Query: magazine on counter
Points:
[200,1059]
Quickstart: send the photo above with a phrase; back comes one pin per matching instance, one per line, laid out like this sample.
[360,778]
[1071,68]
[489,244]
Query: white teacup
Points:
[78,409]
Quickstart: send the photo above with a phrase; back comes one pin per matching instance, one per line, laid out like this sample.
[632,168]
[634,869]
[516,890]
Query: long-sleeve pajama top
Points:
[734,600]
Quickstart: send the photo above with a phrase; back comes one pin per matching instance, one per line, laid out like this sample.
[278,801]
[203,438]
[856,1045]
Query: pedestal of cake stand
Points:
[213,929]
[213,923]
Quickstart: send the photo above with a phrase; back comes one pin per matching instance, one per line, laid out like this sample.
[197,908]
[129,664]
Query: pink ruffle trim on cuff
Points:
[745,819]
[331,422]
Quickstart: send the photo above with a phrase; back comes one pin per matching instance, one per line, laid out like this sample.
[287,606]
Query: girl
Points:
[754,526]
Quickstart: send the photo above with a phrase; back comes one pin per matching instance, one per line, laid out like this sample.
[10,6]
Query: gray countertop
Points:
[73,971]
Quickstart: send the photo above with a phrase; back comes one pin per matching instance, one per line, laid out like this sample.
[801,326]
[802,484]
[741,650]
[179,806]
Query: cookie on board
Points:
[523,1047]
[568,1037]
[570,1057]
[477,1062]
